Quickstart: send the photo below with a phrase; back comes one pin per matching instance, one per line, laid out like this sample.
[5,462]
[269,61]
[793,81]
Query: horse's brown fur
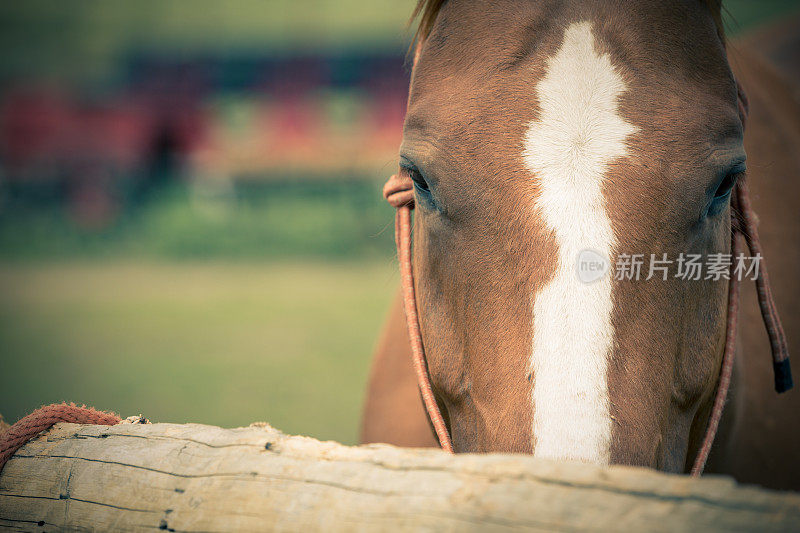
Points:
[480,258]
[762,433]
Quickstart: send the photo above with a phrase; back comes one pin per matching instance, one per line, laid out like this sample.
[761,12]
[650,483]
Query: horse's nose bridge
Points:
[578,133]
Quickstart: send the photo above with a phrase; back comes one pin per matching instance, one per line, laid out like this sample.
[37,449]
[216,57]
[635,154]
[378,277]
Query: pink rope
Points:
[398,191]
[43,419]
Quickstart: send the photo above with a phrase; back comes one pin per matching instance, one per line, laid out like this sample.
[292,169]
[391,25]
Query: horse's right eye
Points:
[418,180]
[421,186]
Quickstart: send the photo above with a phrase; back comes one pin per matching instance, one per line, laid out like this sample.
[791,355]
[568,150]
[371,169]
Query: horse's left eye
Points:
[726,185]
[723,190]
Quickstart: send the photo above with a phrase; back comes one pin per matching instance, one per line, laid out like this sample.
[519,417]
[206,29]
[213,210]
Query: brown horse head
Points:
[545,138]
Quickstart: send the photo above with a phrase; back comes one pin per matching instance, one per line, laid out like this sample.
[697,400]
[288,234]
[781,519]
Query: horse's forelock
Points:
[428,10]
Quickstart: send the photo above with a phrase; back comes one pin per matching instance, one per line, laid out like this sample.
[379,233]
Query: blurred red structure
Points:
[234,117]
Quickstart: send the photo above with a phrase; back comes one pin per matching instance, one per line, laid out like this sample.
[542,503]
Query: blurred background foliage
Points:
[191,224]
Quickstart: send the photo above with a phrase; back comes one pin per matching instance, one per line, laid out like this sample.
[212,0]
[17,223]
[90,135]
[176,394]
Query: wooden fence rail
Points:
[202,478]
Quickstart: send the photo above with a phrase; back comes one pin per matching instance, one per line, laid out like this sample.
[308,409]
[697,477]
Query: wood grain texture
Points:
[203,478]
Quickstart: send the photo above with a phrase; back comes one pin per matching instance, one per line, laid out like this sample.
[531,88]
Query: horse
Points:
[540,131]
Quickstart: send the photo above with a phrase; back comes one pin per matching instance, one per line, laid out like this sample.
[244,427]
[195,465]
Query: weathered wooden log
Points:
[194,477]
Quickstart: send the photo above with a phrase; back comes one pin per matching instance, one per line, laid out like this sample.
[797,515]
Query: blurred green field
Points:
[84,40]
[300,217]
[220,343]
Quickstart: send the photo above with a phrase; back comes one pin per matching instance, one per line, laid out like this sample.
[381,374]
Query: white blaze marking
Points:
[569,147]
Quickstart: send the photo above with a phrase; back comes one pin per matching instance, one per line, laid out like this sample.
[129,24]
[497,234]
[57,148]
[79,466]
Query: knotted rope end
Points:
[783,375]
